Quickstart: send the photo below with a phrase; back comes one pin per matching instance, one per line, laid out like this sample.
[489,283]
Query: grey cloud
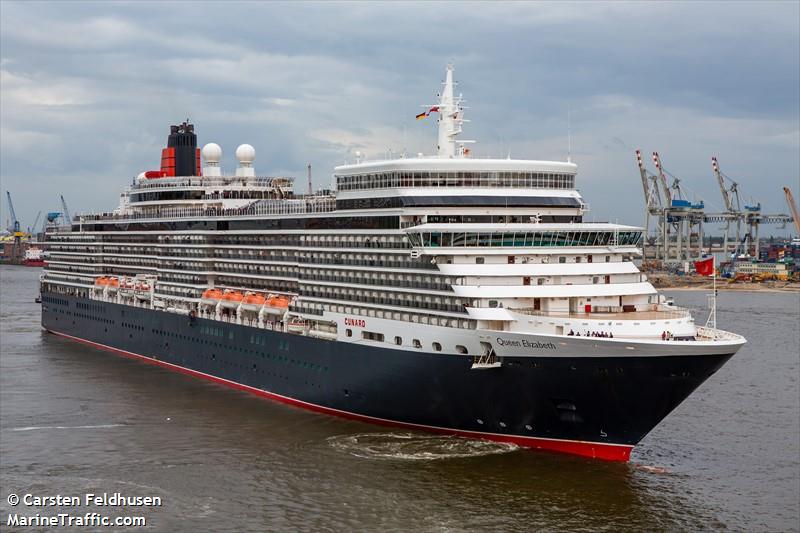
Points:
[90,88]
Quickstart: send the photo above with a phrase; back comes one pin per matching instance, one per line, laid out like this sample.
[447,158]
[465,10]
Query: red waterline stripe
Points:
[595,450]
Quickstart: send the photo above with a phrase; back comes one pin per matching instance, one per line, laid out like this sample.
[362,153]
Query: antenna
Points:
[569,135]
[309,179]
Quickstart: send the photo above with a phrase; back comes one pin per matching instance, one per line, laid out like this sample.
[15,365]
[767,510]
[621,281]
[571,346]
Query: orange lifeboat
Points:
[113,283]
[102,280]
[279,301]
[231,299]
[211,296]
[253,301]
[276,304]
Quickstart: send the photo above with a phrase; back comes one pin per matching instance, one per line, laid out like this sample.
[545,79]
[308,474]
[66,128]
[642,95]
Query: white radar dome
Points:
[212,153]
[245,153]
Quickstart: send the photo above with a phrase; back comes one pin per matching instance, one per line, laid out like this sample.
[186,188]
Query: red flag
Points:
[705,267]
[434,109]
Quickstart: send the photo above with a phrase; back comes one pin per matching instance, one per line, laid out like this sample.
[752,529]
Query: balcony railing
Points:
[659,314]
[258,208]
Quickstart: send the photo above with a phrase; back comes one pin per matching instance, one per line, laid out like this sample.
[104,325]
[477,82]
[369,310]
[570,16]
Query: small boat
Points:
[253,301]
[279,301]
[33,257]
[142,291]
[211,296]
[231,299]
[276,304]
[296,326]
[113,284]
[101,281]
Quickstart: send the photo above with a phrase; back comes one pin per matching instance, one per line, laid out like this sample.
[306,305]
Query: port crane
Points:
[735,211]
[13,227]
[65,210]
[654,207]
[682,215]
[793,209]
[733,207]
[32,229]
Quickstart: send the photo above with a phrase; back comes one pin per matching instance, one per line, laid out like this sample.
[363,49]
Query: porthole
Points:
[437,347]
[398,341]
[528,427]
[461,349]
[349,332]
[480,421]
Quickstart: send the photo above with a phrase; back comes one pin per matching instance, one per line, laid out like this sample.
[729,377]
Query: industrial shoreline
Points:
[699,283]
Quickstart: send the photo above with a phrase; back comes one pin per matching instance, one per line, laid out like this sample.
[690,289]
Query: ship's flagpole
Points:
[714,275]
[712,315]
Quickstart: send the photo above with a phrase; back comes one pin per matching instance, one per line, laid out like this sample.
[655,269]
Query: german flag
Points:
[421,116]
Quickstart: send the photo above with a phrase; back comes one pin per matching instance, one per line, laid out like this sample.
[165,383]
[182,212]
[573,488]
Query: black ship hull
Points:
[591,406]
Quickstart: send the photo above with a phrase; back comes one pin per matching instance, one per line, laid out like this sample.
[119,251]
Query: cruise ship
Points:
[445,293]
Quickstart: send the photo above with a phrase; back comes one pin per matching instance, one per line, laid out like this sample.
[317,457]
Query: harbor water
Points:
[76,420]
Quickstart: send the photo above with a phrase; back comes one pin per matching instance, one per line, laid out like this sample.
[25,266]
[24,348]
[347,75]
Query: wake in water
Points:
[34,428]
[651,469]
[415,447]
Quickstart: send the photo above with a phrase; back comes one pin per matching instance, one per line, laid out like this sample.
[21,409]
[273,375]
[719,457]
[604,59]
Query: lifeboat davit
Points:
[253,301]
[231,299]
[211,296]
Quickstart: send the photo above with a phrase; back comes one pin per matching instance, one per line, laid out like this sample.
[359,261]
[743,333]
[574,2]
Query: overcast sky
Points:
[89,90]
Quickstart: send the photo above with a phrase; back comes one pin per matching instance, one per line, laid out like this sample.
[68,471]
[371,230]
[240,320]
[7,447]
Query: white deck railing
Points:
[257,208]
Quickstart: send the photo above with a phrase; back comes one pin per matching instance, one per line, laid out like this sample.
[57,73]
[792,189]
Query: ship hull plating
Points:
[591,406]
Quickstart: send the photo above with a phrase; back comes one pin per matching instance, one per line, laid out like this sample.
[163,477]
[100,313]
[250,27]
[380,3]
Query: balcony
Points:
[616,315]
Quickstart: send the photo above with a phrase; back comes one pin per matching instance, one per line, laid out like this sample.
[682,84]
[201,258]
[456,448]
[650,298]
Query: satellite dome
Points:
[245,153]
[212,153]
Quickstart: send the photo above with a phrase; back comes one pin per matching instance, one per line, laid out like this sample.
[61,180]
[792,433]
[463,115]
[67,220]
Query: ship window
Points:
[372,336]
[437,347]
[398,341]
[461,349]
[479,260]
[416,343]
[349,332]
[562,259]
[492,303]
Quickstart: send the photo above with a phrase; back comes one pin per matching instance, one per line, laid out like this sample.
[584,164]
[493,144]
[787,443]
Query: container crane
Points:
[733,206]
[751,214]
[793,209]
[682,214]
[654,207]
[663,178]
